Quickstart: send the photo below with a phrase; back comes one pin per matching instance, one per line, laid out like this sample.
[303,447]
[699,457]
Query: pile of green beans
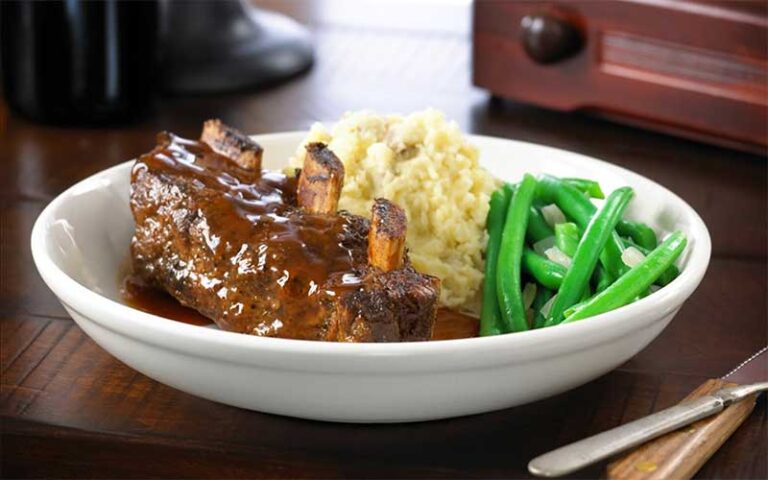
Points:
[586,274]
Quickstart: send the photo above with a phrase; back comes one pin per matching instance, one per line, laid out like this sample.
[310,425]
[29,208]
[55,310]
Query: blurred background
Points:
[690,68]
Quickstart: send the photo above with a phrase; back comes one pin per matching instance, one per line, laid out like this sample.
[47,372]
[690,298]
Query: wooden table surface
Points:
[71,410]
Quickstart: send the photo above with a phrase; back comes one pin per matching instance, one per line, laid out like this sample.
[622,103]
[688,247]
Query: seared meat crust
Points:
[234,243]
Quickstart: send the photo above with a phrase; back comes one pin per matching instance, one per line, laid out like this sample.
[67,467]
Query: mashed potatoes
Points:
[424,164]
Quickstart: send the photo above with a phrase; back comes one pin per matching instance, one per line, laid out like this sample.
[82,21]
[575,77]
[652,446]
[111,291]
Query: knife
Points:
[678,454]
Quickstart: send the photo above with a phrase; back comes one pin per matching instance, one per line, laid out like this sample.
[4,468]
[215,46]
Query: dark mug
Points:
[79,61]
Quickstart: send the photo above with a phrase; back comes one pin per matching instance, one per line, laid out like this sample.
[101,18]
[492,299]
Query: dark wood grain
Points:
[706,78]
[70,410]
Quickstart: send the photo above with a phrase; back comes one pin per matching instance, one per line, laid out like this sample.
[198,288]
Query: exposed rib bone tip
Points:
[321,180]
[229,142]
[386,238]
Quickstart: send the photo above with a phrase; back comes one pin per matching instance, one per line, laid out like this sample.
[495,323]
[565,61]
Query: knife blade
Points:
[752,370]
[678,454]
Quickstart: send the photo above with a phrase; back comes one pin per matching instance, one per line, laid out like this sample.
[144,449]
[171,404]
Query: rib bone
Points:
[229,142]
[320,180]
[386,238]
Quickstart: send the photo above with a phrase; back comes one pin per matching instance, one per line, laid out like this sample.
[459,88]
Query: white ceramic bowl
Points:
[82,237]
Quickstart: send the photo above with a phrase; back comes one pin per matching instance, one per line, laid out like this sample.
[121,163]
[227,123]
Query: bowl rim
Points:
[462,354]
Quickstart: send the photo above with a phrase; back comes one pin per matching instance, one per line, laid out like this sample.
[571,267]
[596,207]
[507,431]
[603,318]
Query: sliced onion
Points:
[553,215]
[631,256]
[557,256]
[543,245]
[529,293]
[547,306]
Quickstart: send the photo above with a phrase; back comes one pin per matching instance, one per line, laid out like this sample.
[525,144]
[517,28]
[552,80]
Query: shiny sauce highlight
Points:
[449,325]
[256,227]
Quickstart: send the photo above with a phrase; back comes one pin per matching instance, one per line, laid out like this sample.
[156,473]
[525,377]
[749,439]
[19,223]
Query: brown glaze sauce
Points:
[450,325]
[137,294]
[308,255]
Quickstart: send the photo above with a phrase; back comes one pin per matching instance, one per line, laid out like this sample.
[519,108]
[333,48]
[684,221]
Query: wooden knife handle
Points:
[681,453]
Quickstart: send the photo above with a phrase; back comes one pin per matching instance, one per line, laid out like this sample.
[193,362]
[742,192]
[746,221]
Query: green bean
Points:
[596,235]
[576,206]
[639,278]
[490,316]
[601,278]
[538,228]
[570,310]
[640,233]
[567,238]
[610,257]
[508,287]
[589,187]
[543,295]
[586,293]
[544,271]
[669,274]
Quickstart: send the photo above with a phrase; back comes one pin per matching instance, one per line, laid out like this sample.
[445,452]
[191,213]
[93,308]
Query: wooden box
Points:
[693,68]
